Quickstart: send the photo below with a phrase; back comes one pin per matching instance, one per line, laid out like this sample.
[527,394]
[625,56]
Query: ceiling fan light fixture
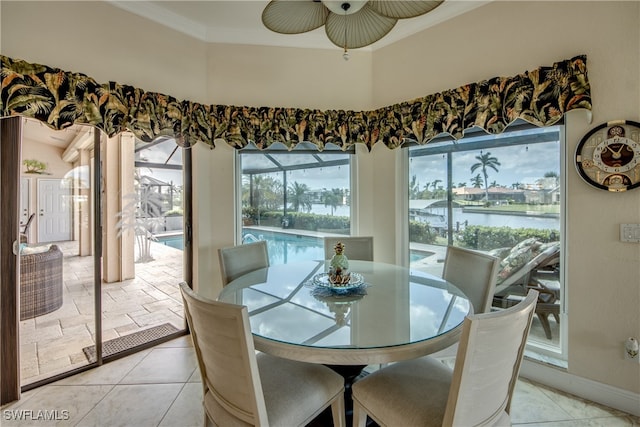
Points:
[364,28]
[403,9]
[294,17]
[348,24]
[338,7]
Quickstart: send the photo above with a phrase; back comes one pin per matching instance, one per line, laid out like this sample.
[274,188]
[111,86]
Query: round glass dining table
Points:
[391,313]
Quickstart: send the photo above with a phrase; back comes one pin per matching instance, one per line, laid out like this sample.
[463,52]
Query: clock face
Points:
[608,157]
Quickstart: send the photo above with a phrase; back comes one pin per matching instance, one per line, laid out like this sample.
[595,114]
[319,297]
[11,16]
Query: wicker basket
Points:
[40,283]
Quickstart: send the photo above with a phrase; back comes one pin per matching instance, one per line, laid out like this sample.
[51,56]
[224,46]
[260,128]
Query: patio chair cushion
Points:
[531,243]
[518,256]
[29,250]
[500,253]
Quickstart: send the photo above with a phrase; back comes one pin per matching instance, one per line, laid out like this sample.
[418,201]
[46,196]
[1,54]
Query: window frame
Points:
[303,148]
[549,353]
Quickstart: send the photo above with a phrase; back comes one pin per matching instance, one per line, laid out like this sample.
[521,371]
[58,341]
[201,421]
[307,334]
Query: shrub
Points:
[305,221]
[420,232]
[487,238]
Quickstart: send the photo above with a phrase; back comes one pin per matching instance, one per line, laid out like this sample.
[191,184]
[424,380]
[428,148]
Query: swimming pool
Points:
[419,255]
[175,241]
[283,247]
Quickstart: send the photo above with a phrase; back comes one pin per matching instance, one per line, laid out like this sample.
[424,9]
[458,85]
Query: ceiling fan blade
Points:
[403,9]
[294,16]
[362,28]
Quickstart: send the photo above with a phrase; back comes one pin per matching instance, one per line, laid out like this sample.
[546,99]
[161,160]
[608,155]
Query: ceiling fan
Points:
[348,24]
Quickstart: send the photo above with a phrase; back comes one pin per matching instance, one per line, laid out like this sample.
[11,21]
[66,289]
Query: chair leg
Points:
[338,412]
[359,415]
[544,320]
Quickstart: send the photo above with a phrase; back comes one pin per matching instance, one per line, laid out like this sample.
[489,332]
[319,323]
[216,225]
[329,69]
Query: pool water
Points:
[283,247]
[176,241]
[418,255]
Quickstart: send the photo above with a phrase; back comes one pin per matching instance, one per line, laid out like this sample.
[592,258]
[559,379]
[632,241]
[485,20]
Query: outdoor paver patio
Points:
[52,344]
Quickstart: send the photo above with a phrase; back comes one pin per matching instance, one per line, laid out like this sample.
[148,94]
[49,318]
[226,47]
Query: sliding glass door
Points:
[101,247]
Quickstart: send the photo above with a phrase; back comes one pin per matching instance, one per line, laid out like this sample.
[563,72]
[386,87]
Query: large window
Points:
[500,194]
[292,199]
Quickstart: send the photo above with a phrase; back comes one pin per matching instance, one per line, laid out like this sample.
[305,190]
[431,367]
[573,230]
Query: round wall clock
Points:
[608,157]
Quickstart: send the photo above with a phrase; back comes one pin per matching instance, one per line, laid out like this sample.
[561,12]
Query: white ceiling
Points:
[70,139]
[239,21]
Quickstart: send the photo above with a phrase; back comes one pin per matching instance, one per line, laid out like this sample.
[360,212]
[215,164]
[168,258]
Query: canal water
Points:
[472,218]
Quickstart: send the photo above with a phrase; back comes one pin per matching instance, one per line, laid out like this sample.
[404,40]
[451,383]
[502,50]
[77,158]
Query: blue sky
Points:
[519,163]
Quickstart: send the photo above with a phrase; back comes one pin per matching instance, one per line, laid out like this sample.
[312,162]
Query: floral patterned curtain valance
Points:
[61,99]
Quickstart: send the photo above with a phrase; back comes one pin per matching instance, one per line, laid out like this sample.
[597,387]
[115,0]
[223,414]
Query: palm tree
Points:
[476,181]
[299,197]
[333,198]
[141,213]
[414,188]
[485,161]
[257,186]
[260,193]
[434,185]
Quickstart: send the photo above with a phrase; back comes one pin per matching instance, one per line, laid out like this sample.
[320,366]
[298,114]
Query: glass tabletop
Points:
[394,306]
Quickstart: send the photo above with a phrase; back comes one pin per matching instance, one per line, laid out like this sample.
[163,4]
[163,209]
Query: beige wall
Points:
[287,77]
[106,43]
[507,38]
[502,38]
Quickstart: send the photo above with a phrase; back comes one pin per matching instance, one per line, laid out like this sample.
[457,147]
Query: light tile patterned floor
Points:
[53,343]
[161,387]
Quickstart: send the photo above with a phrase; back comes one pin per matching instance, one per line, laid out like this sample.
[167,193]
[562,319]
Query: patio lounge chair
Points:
[531,265]
[24,233]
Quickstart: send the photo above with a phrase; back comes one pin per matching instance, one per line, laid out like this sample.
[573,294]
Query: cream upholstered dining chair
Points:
[474,273]
[355,247]
[477,391]
[241,388]
[236,261]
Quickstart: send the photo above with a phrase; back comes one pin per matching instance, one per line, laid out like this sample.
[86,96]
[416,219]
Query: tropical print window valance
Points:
[61,99]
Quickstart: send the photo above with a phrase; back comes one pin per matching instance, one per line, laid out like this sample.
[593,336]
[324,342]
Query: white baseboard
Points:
[558,378]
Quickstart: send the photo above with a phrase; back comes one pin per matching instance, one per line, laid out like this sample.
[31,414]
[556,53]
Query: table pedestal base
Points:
[350,373]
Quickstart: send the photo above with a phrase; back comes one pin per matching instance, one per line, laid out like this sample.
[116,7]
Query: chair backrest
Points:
[474,273]
[236,261]
[226,356]
[488,363]
[356,248]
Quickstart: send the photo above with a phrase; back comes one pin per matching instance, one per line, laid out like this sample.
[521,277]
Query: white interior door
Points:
[24,201]
[54,211]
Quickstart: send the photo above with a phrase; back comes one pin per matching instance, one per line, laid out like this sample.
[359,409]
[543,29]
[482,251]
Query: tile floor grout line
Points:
[95,405]
[173,402]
